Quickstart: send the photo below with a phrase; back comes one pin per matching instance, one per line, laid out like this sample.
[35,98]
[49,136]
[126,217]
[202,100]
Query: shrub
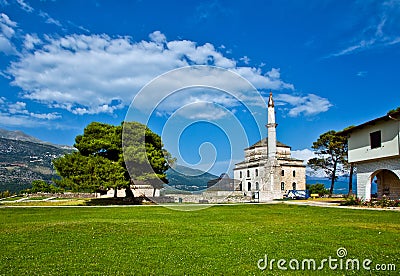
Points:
[317,188]
[352,201]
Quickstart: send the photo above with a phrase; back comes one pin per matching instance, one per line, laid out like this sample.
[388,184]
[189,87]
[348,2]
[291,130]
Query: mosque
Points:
[268,171]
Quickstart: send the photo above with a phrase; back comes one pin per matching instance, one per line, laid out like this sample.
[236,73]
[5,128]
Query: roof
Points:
[394,115]
[264,142]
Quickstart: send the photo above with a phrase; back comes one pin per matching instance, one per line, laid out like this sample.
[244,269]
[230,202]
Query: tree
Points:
[331,150]
[144,155]
[102,162]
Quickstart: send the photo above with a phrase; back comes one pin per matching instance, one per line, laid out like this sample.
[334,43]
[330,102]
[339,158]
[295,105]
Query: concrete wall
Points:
[360,147]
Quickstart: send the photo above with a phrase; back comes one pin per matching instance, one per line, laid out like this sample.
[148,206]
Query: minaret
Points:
[271,126]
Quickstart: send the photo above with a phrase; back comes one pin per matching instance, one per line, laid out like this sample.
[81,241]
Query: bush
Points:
[383,202]
[352,201]
[317,188]
[41,186]
[5,194]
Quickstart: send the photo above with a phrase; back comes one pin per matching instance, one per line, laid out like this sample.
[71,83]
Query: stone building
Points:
[268,171]
[374,149]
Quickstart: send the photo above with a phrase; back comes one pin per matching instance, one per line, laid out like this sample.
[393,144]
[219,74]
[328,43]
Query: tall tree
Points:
[347,165]
[102,162]
[144,155]
[331,150]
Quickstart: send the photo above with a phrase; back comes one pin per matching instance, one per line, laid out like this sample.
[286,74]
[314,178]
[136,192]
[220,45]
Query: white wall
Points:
[359,142]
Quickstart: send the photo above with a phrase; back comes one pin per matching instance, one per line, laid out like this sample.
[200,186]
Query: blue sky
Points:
[330,64]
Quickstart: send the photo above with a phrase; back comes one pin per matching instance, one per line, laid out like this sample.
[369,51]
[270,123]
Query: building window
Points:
[375,139]
[248,173]
[257,186]
[294,185]
[294,173]
[249,186]
[240,174]
[282,186]
[256,172]
[283,173]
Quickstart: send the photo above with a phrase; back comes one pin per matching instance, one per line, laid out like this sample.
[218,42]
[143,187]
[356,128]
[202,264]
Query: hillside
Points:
[21,162]
[188,179]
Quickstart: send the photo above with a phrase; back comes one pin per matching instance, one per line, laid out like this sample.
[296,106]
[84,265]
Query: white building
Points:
[268,171]
[374,149]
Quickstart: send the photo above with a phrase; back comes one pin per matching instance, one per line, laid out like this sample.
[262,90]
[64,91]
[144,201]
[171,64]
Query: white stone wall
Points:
[255,176]
[367,170]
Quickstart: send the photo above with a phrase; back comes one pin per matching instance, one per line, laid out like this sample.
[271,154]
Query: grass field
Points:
[221,240]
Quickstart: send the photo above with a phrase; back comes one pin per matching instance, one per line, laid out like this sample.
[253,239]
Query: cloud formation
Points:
[7,32]
[380,29]
[307,105]
[90,74]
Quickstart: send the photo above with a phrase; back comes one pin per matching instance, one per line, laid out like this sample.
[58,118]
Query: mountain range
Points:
[24,158]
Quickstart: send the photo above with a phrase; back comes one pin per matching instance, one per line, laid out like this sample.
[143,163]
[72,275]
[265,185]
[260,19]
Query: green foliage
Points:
[352,201]
[41,186]
[89,173]
[331,150]
[99,163]
[380,203]
[221,240]
[5,194]
[144,156]
[394,111]
[317,188]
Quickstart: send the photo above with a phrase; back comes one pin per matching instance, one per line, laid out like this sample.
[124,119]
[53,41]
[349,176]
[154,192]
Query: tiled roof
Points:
[264,142]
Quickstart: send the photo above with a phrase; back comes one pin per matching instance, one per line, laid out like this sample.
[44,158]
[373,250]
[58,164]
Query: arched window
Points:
[257,186]
[294,173]
[283,173]
[248,173]
[240,174]
[249,186]
[294,185]
[282,186]
[256,172]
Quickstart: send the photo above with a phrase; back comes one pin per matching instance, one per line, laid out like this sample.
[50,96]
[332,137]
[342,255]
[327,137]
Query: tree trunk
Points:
[154,192]
[115,192]
[333,178]
[351,180]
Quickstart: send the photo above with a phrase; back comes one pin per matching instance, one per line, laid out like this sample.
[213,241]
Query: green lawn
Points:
[221,240]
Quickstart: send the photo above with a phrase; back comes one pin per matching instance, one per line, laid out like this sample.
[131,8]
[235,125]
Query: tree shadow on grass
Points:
[114,201]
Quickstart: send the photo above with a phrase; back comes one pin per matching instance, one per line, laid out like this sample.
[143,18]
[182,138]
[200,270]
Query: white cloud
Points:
[380,30]
[308,105]
[49,19]
[30,41]
[7,32]
[304,154]
[245,59]
[19,112]
[6,46]
[26,7]
[90,74]
[7,25]
[362,73]
[158,37]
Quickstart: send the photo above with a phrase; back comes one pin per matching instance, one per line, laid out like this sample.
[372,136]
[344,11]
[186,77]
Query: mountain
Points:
[24,159]
[21,136]
[187,179]
[18,135]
